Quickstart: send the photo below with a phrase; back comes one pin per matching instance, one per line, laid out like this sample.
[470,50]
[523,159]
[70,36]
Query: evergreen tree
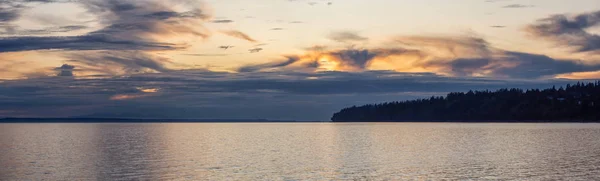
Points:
[578,102]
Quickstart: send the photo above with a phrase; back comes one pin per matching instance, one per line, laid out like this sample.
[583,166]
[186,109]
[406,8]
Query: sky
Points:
[280,59]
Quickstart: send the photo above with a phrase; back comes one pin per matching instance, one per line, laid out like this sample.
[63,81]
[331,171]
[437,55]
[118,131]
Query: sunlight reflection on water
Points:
[299,151]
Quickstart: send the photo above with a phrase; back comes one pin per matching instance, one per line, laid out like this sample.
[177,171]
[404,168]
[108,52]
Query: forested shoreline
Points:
[579,102]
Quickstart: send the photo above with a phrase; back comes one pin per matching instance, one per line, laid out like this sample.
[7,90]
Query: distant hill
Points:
[573,103]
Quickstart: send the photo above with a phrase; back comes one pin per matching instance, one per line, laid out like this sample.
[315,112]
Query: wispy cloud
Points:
[239,34]
[223,21]
[88,42]
[517,6]
[126,61]
[120,97]
[569,31]
[207,54]
[346,37]
[494,1]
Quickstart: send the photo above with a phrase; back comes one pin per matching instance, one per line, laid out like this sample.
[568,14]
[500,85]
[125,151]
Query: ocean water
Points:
[299,151]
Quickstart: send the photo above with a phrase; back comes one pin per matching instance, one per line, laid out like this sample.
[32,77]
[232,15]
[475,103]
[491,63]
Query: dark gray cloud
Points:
[355,58]
[8,15]
[206,94]
[223,21]
[498,26]
[57,29]
[535,66]
[569,31]
[65,70]
[87,42]
[239,35]
[137,20]
[127,61]
[346,37]
[515,65]
[278,64]
[15,30]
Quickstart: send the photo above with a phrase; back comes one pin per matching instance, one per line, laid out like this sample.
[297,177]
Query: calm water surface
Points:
[299,151]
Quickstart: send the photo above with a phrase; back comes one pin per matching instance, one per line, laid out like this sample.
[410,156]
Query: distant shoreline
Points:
[465,121]
[131,120]
[140,120]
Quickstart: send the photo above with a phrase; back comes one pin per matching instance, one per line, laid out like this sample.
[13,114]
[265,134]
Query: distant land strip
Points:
[136,120]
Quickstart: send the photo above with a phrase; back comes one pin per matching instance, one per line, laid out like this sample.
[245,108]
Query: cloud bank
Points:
[207,94]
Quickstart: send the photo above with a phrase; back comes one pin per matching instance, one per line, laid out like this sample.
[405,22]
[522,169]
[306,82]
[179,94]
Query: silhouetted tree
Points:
[578,102]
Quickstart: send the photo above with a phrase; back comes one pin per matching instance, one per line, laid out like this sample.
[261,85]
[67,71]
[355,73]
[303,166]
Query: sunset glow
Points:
[202,51]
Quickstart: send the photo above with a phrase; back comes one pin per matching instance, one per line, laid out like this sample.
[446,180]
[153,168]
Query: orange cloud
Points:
[148,90]
[580,75]
[120,97]
[450,56]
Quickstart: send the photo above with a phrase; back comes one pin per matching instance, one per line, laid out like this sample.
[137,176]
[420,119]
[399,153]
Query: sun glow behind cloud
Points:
[580,75]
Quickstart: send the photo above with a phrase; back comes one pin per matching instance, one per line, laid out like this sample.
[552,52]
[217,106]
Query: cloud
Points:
[54,29]
[517,6]
[88,42]
[11,10]
[65,70]
[346,37]
[130,32]
[129,25]
[136,20]
[119,97]
[498,26]
[450,56]
[569,31]
[207,55]
[494,1]
[127,61]
[8,15]
[223,21]
[253,68]
[239,35]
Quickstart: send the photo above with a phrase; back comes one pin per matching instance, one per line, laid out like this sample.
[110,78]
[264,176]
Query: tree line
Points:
[578,103]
